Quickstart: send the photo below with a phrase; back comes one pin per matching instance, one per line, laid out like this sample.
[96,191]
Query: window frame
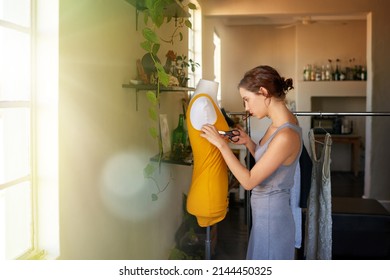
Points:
[5,104]
[195,44]
[43,105]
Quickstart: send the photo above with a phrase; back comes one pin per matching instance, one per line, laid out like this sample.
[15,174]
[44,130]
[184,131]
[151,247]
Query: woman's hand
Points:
[243,138]
[218,140]
[212,135]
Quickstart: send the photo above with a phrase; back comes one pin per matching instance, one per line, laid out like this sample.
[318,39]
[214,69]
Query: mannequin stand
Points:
[208,244]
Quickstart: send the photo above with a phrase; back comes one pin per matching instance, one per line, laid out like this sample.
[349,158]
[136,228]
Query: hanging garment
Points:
[273,229]
[208,194]
[306,166]
[295,194]
[318,241]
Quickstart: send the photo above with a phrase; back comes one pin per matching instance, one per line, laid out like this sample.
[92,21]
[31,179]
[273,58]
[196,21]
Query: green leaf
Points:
[155,49]
[156,9]
[192,6]
[158,20]
[188,24]
[150,35]
[154,197]
[163,77]
[151,96]
[146,17]
[149,170]
[180,36]
[153,132]
[159,67]
[146,45]
[152,113]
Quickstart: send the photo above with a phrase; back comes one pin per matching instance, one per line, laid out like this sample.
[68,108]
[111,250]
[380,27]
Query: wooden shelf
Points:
[154,87]
[166,158]
[173,10]
[144,87]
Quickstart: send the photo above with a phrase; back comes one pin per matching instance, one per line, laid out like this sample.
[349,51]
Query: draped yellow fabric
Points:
[208,195]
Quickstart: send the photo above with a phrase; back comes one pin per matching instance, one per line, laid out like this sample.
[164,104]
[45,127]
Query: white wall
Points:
[245,48]
[106,211]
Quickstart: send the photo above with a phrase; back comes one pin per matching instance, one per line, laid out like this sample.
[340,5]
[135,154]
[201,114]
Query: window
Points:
[195,45]
[16,204]
[217,65]
[22,92]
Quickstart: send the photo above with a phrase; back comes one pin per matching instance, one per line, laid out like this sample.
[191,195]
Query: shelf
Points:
[309,89]
[144,87]
[173,10]
[166,158]
[154,87]
[333,81]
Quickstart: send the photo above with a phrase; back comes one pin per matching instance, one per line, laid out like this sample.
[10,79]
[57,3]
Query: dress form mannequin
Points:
[207,197]
[202,110]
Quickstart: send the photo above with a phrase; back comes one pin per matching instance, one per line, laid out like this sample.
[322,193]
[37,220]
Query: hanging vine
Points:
[154,18]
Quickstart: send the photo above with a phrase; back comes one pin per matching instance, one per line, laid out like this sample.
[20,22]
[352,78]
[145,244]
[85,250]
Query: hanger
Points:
[320,126]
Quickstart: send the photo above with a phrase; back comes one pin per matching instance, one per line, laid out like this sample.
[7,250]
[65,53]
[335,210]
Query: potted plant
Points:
[177,65]
[182,63]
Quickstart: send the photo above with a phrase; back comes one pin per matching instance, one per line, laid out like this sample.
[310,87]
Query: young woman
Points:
[263,91]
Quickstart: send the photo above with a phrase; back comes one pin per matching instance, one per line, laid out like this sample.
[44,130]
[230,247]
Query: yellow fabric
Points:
[208,195]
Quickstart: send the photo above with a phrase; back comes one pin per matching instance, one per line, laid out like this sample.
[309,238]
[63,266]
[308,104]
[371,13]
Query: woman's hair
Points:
[267,77]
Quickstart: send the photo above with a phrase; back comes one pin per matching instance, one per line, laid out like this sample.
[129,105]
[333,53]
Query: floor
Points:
[232,232]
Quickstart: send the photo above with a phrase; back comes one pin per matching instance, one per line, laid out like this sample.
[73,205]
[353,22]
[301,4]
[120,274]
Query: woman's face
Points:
[254,103]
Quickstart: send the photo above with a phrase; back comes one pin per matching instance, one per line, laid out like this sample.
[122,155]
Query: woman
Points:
[263,91]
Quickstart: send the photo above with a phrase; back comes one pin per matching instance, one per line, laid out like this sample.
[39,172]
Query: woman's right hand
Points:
[243,138]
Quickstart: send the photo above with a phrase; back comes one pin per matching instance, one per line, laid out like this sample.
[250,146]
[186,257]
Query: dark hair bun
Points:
[287,84]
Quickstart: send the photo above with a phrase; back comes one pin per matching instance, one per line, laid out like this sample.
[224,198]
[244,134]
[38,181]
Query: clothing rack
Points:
[322,114]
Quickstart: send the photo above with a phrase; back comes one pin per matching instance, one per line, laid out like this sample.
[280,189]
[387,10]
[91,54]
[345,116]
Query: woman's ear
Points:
[263,91]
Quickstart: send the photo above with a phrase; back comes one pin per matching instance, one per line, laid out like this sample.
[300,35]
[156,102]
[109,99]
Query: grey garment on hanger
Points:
[318,240]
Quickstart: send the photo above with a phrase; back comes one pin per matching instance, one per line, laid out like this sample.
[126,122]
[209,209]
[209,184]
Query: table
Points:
[353,140]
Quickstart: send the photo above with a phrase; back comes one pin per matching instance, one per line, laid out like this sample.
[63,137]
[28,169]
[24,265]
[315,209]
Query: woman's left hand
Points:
[211,134]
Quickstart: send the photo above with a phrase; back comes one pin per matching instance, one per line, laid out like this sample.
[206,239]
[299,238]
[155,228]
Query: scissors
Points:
[231,134]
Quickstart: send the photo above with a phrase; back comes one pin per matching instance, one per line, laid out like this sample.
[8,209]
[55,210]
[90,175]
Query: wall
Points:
[106,211]
[378,59]
[263,45]
[316,43]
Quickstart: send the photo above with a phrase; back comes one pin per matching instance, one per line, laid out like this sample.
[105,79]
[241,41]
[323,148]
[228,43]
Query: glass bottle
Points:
[328,73]
[317,75]
[313,73]
[337,73]
[306,73]
[323,73]
[363,74]
[179,140]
